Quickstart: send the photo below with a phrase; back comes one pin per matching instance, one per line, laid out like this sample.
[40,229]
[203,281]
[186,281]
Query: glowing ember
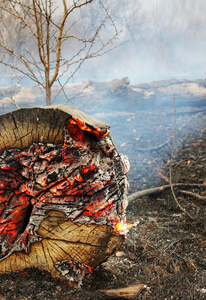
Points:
[80,126]
[123,227]
[84,177]
[76,270]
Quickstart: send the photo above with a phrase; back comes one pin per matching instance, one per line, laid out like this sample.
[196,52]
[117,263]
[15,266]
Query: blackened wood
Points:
[63,192]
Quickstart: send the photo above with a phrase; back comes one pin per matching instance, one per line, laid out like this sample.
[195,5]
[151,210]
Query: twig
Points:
[159,189]
[10,98]
[170,167]
[198,197]
[179,241]
[153,148]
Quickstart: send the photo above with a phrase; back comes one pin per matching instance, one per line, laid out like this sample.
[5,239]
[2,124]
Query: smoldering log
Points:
[63,192]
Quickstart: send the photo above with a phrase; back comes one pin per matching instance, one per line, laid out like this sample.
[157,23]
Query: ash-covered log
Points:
[63,192]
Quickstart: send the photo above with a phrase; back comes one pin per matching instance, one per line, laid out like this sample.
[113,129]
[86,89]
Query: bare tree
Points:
[57,38]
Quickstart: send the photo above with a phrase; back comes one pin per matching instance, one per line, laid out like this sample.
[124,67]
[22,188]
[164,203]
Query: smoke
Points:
[162,40]
[157,40]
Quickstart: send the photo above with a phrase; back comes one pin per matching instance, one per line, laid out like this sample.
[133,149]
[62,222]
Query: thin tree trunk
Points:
[48,87]
[48,95]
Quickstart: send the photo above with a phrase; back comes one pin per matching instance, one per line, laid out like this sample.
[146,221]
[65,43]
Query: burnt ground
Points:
[167,250]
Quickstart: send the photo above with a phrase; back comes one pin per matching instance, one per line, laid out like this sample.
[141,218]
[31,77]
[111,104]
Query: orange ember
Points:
[123,227]
[78,127]
[84,178]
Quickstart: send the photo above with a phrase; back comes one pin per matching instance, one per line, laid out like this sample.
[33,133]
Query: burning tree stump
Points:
[63,192]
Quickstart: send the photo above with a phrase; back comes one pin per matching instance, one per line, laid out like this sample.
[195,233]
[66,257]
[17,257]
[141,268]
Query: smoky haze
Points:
[157,40]
[163,39]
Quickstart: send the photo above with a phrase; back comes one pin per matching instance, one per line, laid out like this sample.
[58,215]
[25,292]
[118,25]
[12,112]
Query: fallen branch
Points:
[198,197]
[159,189]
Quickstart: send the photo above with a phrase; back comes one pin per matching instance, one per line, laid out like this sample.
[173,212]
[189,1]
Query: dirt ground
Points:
[167,250]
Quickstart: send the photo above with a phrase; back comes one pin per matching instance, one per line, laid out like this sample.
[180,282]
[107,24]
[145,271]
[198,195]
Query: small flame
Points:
[100,133]
[123,227]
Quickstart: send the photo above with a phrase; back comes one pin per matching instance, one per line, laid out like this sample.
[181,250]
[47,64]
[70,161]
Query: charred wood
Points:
[63,192]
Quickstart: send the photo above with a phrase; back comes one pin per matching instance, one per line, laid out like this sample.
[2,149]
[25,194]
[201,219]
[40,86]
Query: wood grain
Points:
[65,240]
[20,128]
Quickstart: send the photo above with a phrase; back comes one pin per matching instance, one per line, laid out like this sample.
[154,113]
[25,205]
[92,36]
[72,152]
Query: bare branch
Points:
[9,99]
[23,61]
[49,33]
[39,34]
[65,6]
[16,14]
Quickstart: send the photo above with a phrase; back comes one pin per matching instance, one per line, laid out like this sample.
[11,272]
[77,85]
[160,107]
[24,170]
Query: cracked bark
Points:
[63,190]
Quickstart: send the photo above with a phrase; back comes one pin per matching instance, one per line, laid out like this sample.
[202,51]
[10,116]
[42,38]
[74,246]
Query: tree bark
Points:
[63,192]
[48,91]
